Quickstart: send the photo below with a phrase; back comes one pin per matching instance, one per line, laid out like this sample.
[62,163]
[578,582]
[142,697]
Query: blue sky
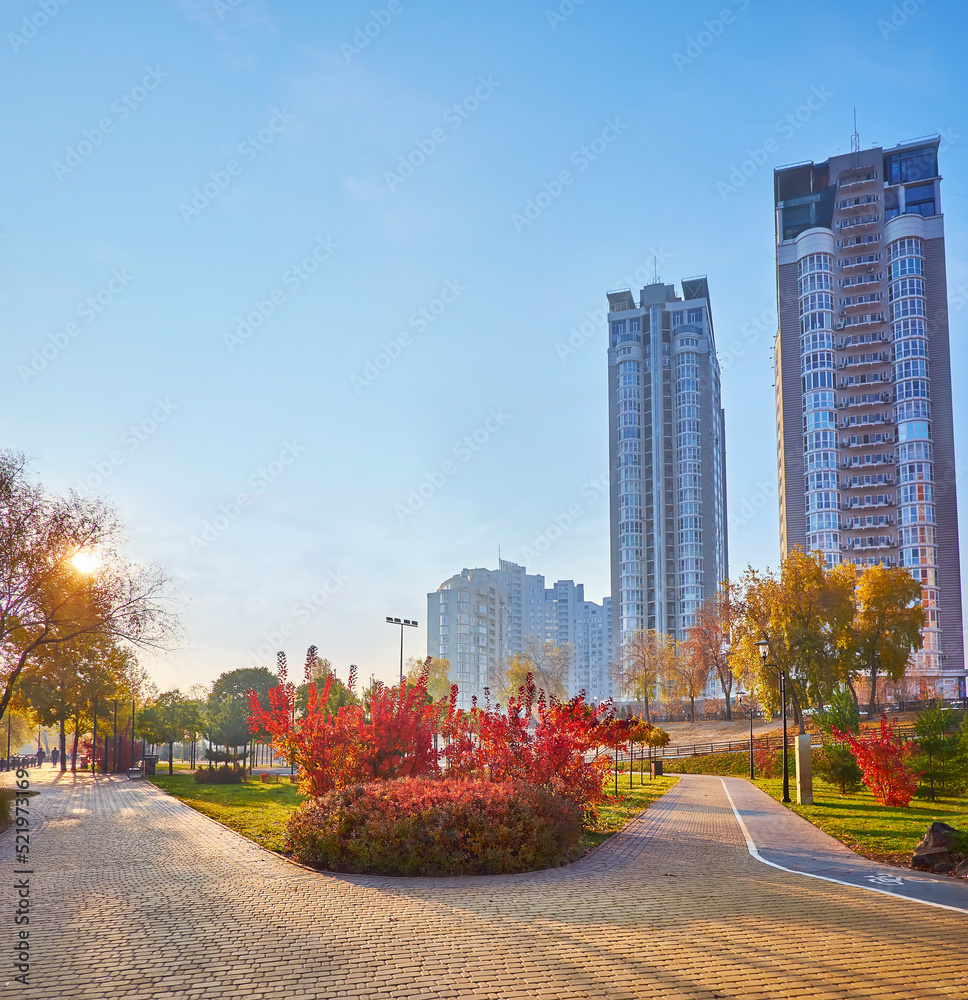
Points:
[311,279]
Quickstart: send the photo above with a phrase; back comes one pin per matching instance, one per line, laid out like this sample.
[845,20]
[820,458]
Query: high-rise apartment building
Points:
[480,617]
[863,378]
[667,458]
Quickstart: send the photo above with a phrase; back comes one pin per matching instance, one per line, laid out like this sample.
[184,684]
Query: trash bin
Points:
[655,769]
[150,761]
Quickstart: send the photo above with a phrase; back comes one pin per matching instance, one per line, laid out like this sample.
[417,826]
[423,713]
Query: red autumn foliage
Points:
[393,737]
[881,756]
[435,827]
[502,746]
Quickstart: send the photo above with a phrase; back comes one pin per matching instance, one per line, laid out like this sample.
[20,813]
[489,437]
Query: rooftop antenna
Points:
[655,270]
[855,139]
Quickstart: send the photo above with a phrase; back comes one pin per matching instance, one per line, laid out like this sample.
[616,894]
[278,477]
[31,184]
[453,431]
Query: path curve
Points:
[138,896]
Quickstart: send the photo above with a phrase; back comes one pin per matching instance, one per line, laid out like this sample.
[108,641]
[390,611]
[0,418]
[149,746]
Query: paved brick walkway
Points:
[138,896]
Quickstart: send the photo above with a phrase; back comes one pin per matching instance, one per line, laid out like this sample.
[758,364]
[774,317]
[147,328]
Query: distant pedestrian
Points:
[54,757]
[41,754]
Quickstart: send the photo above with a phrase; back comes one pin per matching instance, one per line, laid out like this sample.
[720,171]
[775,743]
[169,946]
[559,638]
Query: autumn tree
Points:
[805,614]
[438,676]
[169,720]
[646,659]
[227,709]
[887,626]
[339,694]
[549,665]
[63,576]
[707,641]
[687,674]
[65,677]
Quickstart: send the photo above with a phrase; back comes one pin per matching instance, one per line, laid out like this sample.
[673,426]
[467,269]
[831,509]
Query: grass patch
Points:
[255,810]
[615,815]
[882,833]
[734,765]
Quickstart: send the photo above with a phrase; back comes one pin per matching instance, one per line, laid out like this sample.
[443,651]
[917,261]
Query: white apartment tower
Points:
[865,443]
[667,451]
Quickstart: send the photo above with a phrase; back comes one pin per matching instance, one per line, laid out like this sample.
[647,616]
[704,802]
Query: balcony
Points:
[860,320]
[856,223]
[858,203]
[863,360]
[868,542]
[858,181]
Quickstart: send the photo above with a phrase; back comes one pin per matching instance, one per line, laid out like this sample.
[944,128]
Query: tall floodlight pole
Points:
[401,622]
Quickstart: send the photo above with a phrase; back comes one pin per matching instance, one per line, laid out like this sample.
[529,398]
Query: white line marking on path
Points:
[751,847]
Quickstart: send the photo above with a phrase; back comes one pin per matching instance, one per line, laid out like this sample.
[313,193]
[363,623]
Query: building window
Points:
[911,165]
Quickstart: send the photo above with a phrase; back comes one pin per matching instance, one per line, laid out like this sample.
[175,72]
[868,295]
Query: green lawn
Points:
[255,810]
[883,833]
[259,811]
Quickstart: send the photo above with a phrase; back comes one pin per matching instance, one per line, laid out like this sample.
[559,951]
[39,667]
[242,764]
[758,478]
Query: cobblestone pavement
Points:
[137,896]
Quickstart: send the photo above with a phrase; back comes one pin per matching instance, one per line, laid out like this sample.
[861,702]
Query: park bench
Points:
[136,771]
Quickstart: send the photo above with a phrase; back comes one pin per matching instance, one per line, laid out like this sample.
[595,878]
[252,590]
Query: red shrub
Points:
[499,746]
[435,827]
[392,737]
[881,756]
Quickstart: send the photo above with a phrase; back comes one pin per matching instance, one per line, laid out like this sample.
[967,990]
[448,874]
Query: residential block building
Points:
[479,618]
[865,440]
[667,456]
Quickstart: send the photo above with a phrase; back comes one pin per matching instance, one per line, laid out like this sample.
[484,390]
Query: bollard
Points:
[804,771]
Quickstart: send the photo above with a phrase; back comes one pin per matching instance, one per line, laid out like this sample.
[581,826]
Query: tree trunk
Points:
[77,723]
[646,699]
[873,701]
[692,709]
[797,712]
[171,758]
[853,692]
[63,741]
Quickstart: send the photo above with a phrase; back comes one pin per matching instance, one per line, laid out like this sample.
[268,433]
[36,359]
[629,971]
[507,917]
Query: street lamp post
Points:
[764,652]
[749,708]
[401,622]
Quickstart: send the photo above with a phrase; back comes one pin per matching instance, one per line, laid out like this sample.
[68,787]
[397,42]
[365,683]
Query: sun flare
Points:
[85,562]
